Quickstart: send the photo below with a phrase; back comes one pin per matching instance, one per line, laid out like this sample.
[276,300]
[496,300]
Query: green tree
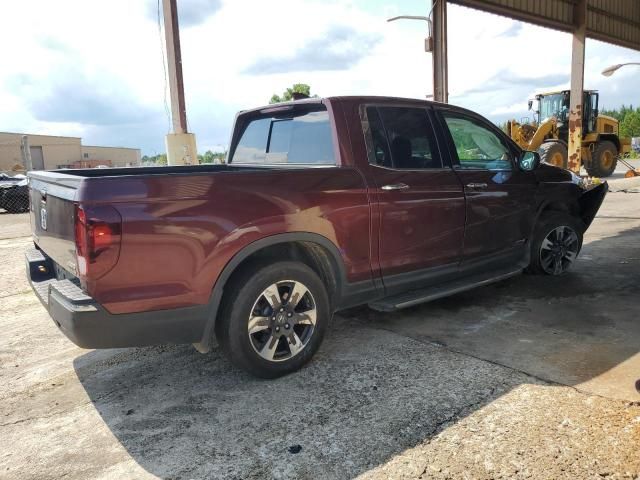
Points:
[155,160]
[288,93]
[630,125]
[212,157]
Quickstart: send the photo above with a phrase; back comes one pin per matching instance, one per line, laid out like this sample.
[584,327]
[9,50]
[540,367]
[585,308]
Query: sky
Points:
[94,69]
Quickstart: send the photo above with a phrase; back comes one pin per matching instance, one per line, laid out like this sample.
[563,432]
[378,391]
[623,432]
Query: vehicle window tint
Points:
[409,136]
[376,139]
[477,146]
[253,143]
[300,139]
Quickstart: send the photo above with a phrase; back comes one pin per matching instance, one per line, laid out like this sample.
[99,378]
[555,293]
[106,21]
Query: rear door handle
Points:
[476,185]
[395,186]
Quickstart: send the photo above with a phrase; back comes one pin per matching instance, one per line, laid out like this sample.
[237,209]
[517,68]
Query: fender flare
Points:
[216,293]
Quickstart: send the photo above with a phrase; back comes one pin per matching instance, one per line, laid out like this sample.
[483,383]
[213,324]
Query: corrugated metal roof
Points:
[612,21]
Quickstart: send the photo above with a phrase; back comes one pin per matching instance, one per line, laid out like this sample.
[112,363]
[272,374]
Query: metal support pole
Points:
[576,107]
[25,151]
[181,145]
[439,57]
[174,66]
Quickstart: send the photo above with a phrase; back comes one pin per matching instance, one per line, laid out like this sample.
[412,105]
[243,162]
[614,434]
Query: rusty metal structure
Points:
[612,21]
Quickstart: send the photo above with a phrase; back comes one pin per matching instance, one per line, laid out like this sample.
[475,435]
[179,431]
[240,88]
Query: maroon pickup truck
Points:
[322,204]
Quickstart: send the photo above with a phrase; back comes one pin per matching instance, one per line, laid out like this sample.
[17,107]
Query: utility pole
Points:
[181,145]
[440,56]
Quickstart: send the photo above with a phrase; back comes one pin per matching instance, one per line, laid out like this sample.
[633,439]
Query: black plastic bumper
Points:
[87,324]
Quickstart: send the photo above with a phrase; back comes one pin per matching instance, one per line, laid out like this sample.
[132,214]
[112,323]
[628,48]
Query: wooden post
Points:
[576,106]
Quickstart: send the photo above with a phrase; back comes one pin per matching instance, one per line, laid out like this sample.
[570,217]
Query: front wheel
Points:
[554,153]
[603,160]
[557,240]
[273,318]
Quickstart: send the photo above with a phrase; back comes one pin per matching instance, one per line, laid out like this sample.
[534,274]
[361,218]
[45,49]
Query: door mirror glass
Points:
[529,161]
[530,104]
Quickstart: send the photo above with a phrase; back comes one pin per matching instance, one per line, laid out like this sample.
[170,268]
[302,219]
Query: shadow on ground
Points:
[380,384]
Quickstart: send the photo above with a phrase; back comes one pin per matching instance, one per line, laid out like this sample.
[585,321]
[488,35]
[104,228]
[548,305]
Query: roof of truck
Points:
[274,107]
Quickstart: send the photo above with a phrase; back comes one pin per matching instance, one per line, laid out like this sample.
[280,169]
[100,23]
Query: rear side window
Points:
[297,138]
[401,137]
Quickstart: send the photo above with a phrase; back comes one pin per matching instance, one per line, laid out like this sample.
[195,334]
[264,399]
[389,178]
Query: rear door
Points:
[420,198]
[499,196]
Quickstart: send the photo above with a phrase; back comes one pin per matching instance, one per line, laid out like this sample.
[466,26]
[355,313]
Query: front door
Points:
[499,197]
[420,198]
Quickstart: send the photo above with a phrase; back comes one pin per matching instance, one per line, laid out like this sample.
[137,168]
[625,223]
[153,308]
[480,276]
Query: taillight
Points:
[98,231]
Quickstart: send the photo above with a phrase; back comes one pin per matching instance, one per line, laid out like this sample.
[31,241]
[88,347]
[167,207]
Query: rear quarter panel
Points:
[179,231]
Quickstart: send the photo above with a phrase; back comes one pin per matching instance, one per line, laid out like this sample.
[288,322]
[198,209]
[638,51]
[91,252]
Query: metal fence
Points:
[14,192]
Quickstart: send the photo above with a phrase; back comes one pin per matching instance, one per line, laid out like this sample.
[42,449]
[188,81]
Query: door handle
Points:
[476,185]
[395,186]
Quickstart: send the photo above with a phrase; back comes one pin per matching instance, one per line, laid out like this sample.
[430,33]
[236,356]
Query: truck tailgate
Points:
[52,198]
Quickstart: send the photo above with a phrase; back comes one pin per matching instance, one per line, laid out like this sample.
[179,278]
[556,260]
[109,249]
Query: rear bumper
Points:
[87,324]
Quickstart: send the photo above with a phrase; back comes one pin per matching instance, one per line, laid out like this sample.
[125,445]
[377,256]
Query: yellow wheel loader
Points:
[549,133]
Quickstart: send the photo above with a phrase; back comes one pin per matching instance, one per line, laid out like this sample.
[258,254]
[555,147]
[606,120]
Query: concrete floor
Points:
[529,378]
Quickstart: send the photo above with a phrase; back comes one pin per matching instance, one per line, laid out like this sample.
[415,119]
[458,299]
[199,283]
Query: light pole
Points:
[436,43]
[607,72]
[428,42]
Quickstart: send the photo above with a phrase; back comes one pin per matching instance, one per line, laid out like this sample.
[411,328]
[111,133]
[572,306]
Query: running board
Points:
[415,297]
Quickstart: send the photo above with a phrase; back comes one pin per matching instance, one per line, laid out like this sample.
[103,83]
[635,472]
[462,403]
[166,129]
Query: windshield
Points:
[554,105]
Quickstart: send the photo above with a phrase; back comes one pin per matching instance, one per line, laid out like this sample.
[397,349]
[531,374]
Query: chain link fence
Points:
[14,193]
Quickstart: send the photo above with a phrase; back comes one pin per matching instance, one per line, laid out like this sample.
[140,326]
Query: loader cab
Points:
[557,104]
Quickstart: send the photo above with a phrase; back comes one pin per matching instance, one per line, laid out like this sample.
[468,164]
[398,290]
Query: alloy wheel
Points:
[559,249]
[282,320]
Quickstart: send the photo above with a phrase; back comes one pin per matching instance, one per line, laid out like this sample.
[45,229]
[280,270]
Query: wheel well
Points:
[611,138]
[315,256]
[571,208]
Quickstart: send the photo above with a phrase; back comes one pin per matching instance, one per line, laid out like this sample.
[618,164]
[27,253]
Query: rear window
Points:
[294,138]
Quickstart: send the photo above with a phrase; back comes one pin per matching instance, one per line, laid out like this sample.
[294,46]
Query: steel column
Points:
[174,66]
[576,107]
[439,57]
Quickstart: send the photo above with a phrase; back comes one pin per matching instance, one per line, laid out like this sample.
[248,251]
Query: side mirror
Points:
[529,161]
[530,104]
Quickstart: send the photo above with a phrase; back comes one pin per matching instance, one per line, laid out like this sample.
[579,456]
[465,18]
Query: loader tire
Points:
[603,160]
[554,153]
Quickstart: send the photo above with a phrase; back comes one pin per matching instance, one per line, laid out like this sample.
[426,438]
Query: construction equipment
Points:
[549,133]
[632,171]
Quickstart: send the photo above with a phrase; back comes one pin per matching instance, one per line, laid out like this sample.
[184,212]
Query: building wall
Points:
[61,152]
[112,156]
[55,150]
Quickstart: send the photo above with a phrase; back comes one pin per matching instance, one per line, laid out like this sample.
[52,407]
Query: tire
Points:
[273,349]
[556,243]
[554,153]
[603,160]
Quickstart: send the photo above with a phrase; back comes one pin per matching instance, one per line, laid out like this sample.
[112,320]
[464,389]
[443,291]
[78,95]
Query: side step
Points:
[415,297]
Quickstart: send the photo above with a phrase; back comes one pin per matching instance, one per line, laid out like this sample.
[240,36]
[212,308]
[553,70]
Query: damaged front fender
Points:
[590,202]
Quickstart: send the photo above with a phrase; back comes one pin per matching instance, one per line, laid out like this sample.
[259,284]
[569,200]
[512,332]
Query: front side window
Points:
[400,137]
[477,146]
[295,138]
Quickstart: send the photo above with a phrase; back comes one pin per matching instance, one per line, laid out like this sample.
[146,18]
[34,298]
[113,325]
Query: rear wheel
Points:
[556,243]
[554,153]
[603,160]
[273,318]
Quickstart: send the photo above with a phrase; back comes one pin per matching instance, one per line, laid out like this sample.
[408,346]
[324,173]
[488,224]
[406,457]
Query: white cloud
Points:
[93,68]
